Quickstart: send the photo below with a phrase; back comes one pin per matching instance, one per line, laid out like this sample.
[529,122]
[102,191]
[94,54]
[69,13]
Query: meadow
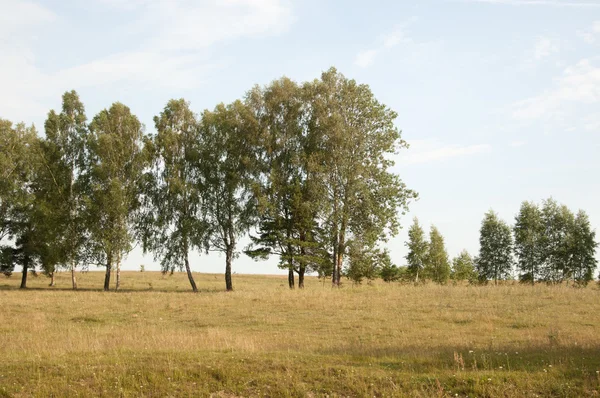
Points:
[155,338]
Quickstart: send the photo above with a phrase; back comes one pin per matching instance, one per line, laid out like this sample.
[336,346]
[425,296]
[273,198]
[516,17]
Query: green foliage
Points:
[463,268]
[530,240]
[437,265]
[171,223]
[115,166]
[495,260]
[356,135]
[228,169]
[418,248]
[366,262]
[390,272]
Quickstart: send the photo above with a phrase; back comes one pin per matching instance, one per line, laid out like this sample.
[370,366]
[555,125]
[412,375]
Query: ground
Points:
[157,339]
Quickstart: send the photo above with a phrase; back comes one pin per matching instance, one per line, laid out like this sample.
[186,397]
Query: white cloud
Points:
[366,58]
[551,3]
[169,41]
[589,36]
[387,41]
[16,16]
[578,86]
[518,144]
[428,151]
[545,47]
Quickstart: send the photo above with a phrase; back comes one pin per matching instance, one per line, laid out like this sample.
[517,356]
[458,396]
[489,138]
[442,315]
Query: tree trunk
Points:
[52,283]
[334,260]
[73,277]
[189,274]
[228,259]
[291,277]
[340,259]
[118,285]
[24,276]
[417,277]
[301,272]
[107,274]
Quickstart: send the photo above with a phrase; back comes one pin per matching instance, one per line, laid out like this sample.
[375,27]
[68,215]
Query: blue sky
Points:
[499,99]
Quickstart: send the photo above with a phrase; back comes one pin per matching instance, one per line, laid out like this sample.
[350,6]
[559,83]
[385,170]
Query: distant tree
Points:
[228,167]
[418,247]
[389,272]
[529,233]
[495,258]
[463,267]
[437,265]
[115,168]
[581,249]
[558,221]
[366,262]
[172,221]
[356,135]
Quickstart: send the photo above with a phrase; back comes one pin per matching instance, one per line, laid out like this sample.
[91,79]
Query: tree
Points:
[495,258]
[390,272]
[116,165]
[173,223]
[581,249]
[418,247]
[437,265]
[366,262]
[228,167]
[355,135]
[529,242]
[287,202]
[463,267]
[59,188]
[18,158]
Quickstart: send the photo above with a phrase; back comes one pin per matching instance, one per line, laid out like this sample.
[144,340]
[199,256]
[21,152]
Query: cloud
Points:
[165,45]
[545,47]
[551,3]
[428,151]
[16,16]
[366,58]
[579,86]
[589,36]
[518,144]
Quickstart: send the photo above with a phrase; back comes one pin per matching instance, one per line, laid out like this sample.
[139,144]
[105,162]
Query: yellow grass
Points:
[155,339]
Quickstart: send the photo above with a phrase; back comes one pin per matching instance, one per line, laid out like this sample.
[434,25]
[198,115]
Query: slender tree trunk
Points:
[52,283]
[107,274]
[340,257]
[417,277]
[118,284]
[301,272]
[334,261]
[228,259]
[73,277]
[189,273]
[291,277]
[24,276]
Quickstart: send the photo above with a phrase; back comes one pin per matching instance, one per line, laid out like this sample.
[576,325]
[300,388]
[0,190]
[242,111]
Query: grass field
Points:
[157,339]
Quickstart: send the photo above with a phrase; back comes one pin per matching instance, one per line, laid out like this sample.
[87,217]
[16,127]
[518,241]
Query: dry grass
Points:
[156,339]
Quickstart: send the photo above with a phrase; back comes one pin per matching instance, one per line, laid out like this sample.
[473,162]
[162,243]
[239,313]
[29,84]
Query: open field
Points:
[157,339]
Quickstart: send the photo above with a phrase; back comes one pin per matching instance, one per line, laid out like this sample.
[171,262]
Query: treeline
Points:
[547,243]
[303,168]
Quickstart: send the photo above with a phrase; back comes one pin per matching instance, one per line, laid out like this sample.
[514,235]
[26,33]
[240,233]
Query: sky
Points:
[498,99]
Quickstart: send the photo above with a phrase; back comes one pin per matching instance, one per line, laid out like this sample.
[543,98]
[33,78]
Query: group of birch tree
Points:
[302,169]
[548,243]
